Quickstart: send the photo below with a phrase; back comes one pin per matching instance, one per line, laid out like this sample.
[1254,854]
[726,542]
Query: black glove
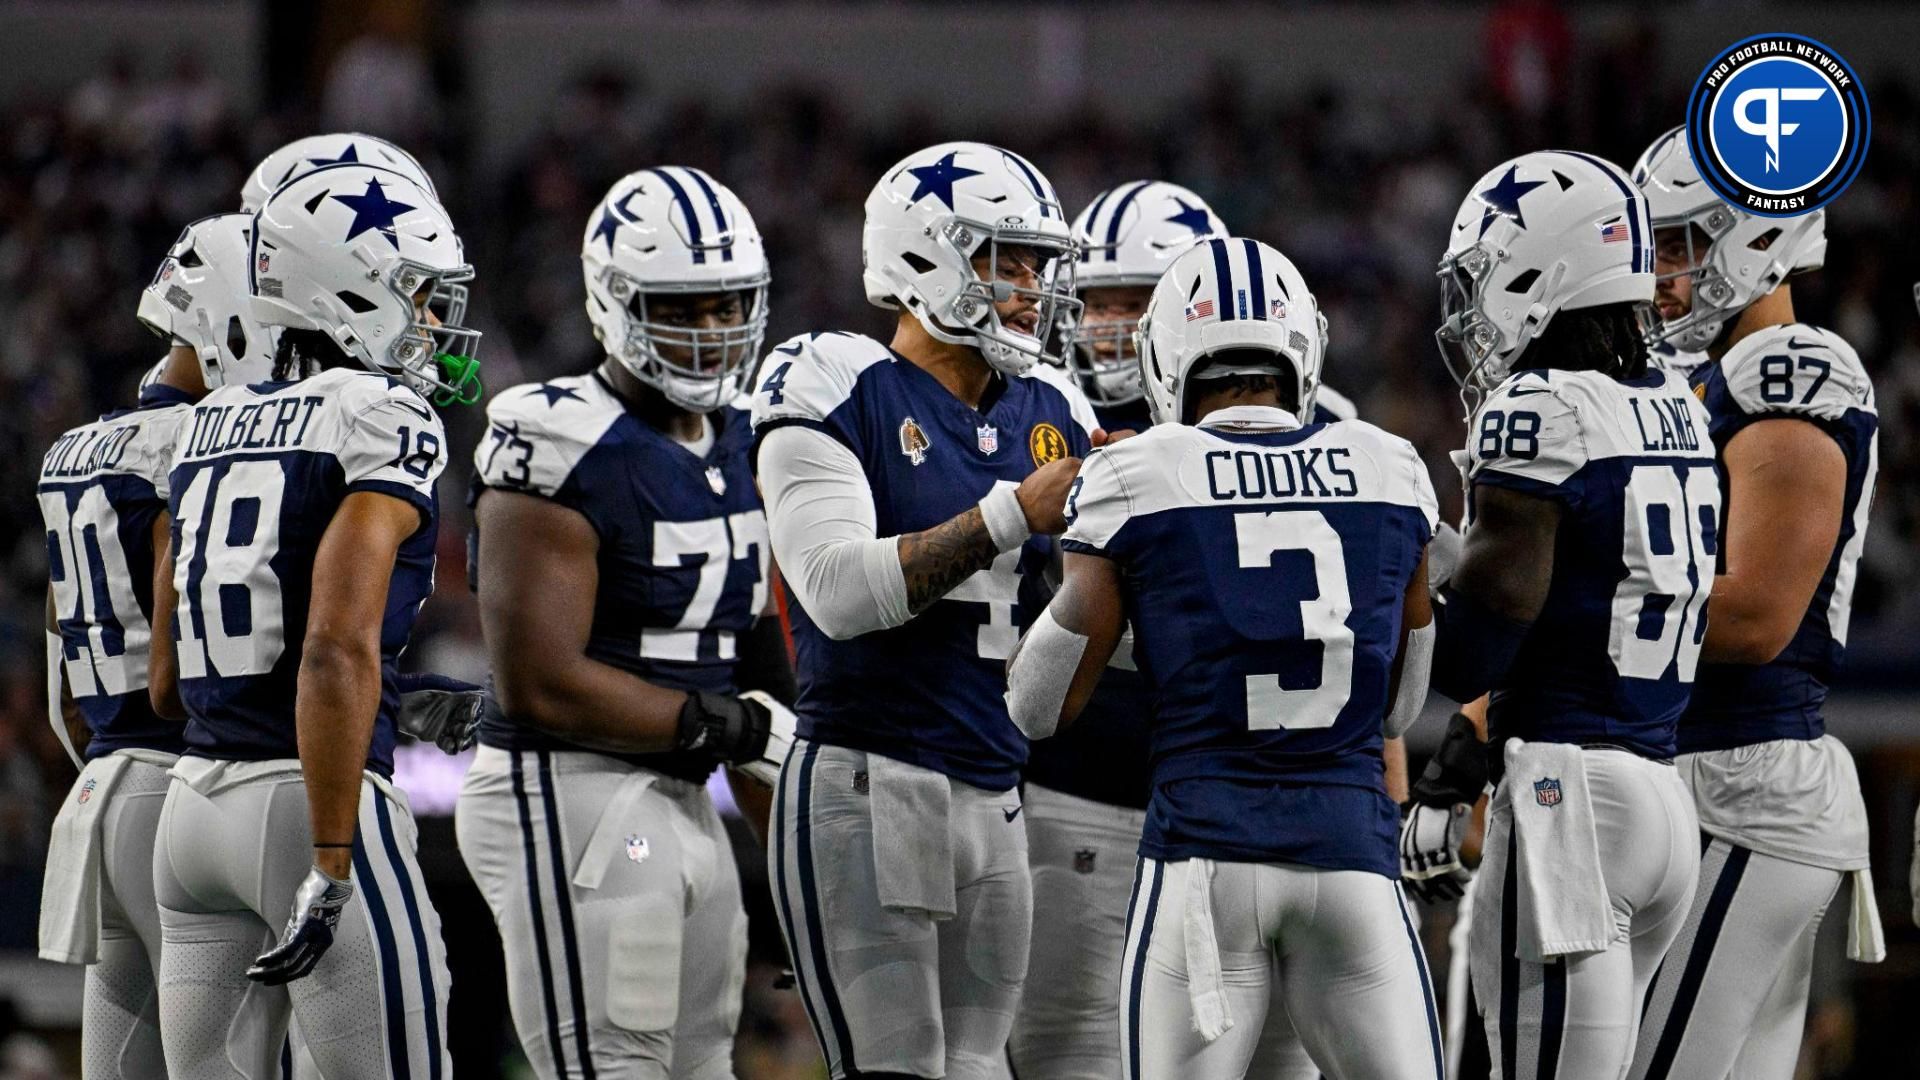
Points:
[442,711]
[309,933]
[732,729]
[1457,772]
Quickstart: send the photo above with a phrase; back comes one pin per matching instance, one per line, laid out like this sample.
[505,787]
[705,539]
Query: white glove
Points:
[1443,556]
[780,731]
[1430,851]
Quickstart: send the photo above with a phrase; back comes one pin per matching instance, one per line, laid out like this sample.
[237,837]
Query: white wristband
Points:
[1006,521]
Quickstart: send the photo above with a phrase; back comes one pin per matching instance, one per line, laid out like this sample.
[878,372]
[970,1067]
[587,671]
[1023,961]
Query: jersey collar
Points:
[1252,416]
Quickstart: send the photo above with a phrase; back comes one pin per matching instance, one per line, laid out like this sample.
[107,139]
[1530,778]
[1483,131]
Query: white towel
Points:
[1563,905]
[56,712]
[607,842]
[70,892]
[1866,942]
[912,837]
[1206,987]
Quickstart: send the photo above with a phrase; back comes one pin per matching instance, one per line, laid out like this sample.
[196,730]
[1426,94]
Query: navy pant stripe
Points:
[423,958]
[563,900]
[810,909]
[808,997]
[1553,1019]
[390,988]
[1140,970]
[1695,972]
[538,915]
[1426,984]
[1509,966]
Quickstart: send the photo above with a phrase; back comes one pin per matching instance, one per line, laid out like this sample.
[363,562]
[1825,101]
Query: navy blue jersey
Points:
[102,486]
[1263,573]
[257,477]
[683,551]
[1611,656]
[1803,373]
[930,692]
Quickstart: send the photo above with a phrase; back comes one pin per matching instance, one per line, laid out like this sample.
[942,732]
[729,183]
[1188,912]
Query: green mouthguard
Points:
[462,376]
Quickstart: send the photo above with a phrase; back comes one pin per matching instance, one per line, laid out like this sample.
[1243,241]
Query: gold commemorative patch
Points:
[1046,444]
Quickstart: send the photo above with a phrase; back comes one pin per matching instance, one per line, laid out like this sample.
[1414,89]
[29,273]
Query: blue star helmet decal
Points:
[556,394]
[373,210]
[1503,198]
[939,178]
[349,156]
[615,216]
[1192,217]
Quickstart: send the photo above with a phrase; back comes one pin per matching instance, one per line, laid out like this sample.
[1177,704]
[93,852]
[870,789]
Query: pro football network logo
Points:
[1778,125]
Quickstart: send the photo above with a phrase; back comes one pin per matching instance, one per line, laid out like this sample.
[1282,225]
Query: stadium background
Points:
[1344,134]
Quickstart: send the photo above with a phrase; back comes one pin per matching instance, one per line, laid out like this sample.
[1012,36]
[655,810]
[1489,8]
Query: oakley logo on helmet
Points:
[1778,125]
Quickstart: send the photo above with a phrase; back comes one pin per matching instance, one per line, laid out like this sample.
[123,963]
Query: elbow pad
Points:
[1416,666]
[1457,773]
[1474,645]
[1041,674]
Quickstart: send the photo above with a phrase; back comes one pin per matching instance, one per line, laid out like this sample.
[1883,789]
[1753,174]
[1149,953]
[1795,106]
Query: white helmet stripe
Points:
[1119,212]
[1636,209]
[686,209]
[723,230]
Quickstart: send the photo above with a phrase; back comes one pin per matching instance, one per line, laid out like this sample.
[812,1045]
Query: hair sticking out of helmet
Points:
[677,279]
[1547,232]
[1237,300]
[1127,236]
[970,239]
[370,259]
[198,298]
[1713,258]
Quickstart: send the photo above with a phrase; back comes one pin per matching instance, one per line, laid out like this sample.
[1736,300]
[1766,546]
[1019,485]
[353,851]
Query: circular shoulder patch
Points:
[1046,444]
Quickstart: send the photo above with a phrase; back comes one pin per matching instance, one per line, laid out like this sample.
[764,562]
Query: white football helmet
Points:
[675,230]
[1128,236]
[198,298]
[1229,293]
[346,250]
[933,213]
[1547,232]
[302,156]
[1732,272]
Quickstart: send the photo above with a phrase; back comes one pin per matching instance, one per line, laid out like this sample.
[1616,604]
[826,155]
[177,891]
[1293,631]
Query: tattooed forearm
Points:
[937,559]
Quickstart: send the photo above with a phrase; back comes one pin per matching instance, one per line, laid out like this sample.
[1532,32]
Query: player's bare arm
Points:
[536,610]
[1054,669]
[937,559]
[78,733]
[163,663]
[339,680]
[1786,486]
[1500,587]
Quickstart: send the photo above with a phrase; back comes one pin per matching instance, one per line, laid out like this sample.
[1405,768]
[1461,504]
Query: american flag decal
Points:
[1613,232]
[1200,310]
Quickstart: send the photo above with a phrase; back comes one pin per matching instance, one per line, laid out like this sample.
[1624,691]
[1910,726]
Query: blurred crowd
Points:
[95,184]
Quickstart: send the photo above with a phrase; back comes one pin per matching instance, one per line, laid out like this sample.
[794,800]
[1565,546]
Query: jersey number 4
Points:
[1323,618]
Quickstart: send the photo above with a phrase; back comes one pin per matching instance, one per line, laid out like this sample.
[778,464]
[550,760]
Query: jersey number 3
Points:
[1323,618]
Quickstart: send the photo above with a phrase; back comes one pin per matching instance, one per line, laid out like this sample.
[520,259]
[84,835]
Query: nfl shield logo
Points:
[989,438]
[262,262]
[638,849]
[1279,309]
[717,480]
[1546,791]
[1083,861]
[86,789]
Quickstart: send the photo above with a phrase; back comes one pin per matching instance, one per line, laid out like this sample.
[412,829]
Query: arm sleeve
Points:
[820,513]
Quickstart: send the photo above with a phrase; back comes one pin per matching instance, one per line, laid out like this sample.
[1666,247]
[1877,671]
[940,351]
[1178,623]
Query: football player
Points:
[1271,567]
[1795,429]
[910,488]
[1577,601]
[623,577]
[303,532]
[103,494]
